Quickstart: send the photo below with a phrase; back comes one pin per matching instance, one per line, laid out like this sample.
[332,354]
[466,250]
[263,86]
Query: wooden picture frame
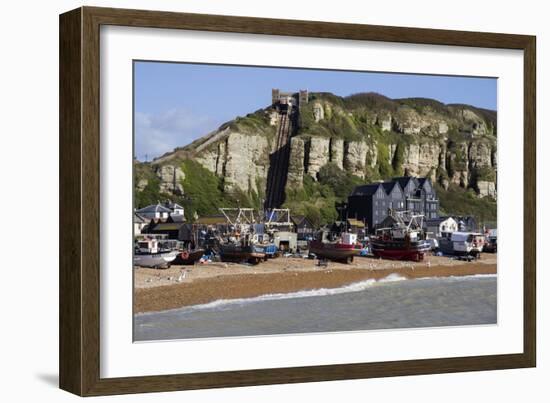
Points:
[80,187]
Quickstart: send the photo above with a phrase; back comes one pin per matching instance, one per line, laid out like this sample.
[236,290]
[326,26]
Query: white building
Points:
[175,208]
[140,222]
[442,226]
[154,211]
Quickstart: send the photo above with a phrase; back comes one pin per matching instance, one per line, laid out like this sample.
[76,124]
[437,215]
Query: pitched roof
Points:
[154,208]
[422,181]
[139,219]
[403,180]
[388,186]
[366,190]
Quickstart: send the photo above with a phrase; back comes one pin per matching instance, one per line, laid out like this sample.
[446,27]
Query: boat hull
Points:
[155,260]
[449,247]
[393,250]
[236,253]
[270,250]
[334,251]
[188,258]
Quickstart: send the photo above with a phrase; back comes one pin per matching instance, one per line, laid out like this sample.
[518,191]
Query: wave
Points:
[318,292]
[350,288]
[392,278]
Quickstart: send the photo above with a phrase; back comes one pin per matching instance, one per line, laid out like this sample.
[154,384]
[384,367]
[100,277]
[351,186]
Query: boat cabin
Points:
[467,241]
[147,246]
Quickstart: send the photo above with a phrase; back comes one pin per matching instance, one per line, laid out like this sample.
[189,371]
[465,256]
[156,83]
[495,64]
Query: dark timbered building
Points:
[370,203]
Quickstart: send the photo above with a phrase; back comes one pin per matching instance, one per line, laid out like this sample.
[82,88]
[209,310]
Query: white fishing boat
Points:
[462,243]
[148,253]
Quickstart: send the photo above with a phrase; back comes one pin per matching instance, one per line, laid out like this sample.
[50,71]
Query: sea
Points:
[390,303]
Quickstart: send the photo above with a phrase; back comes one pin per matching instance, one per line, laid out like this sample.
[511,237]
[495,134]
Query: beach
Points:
[183,286]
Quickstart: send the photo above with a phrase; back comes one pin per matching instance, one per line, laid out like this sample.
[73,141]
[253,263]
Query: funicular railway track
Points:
[278,169]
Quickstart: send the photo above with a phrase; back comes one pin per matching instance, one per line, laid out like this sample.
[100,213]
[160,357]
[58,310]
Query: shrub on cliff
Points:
[341,183]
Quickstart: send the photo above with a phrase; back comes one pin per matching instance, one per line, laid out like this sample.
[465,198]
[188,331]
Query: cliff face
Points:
[367,136]
[241,160]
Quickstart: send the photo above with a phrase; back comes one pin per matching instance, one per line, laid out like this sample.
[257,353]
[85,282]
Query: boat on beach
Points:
[342,250]
[149,253]
[234,252]
[402,241]
[339,252]
[189,257]
[462,244]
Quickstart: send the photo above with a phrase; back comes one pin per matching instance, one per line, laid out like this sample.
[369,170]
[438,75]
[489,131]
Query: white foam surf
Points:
[317,292]
[392,278]
[350,288]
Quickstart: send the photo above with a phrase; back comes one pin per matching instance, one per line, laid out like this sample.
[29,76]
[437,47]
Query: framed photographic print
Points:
[250,201]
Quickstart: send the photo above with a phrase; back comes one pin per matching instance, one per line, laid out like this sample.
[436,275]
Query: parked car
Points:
[490,245]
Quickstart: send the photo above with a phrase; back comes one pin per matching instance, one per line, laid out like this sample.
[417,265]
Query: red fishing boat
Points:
[402,241]
[342,250]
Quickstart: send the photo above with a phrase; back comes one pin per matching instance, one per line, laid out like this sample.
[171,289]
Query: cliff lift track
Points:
[278,167]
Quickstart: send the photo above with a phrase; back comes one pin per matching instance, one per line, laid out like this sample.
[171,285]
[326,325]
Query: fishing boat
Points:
[462,243]
[403,240]
[235,252]
[342,250]
[149,253]
[187,257]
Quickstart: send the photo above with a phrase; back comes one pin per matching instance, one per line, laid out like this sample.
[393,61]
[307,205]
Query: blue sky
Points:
[176,103]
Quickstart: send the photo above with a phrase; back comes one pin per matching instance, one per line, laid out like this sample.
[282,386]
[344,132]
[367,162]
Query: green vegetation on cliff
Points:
[458,201]
[316,199]
[151,192]
[204,193]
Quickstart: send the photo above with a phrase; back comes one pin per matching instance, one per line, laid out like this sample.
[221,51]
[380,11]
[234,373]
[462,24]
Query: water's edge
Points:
[353,287]
[390,303]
